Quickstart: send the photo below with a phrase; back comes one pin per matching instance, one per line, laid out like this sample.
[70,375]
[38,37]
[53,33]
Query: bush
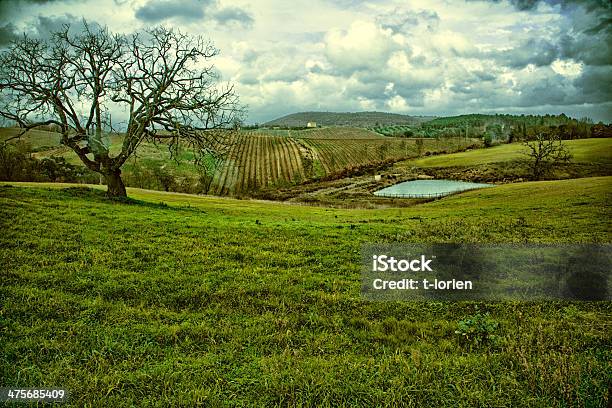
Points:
[57,169]
[478,330]
[165,178]
[488,140]
[17,164]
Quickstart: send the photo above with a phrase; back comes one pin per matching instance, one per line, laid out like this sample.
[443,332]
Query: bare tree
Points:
[545,152]
[160,78]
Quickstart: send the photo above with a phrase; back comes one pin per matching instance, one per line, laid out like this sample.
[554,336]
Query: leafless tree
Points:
[161,78]
[545,152]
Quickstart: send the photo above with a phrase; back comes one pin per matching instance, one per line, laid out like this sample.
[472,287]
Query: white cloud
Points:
[397,104]
[417,56]
[568,68]
[363,45]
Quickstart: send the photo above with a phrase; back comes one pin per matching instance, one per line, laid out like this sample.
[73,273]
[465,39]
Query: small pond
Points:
[428,188]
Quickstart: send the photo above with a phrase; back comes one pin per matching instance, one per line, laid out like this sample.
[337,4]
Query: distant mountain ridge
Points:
[359,119]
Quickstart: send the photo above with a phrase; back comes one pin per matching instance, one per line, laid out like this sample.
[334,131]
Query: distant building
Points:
[311,125]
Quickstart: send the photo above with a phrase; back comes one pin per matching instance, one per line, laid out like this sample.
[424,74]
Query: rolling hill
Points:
[357,119]
[224,300]
[257,158]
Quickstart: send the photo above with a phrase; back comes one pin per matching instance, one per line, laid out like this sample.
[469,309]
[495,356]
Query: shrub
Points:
[478,329]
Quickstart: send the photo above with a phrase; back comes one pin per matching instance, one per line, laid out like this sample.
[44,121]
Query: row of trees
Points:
[500,128]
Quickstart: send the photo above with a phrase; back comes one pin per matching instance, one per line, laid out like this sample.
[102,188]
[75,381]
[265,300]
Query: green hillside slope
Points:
[177,300]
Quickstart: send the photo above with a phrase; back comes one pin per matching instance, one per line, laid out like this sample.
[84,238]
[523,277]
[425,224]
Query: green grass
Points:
[35,137]
[178,300]
[583,150]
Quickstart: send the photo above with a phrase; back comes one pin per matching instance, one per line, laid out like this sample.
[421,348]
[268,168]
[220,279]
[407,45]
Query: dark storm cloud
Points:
[158,10]
[585,36]
[47,25]
[524,4]
[548,91]
[8,32]
[234,15]
[604,24]
[43,27]
[590,5]
[538,52]
[595,84]
[588,38]
[155,11]
[592,50]
[12,8]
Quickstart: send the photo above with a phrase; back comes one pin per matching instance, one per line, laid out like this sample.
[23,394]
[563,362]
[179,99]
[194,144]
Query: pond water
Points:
[428,188]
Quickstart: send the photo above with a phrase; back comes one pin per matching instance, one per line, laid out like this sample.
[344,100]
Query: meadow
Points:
[176,300]
[582,150]
[508,162]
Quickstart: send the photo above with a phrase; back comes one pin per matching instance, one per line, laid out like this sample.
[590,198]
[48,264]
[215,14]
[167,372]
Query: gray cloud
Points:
[584,36]
[484,76]
[155,11]
[595,84]
[590,5]
[158,10]
[42,27]
[590,49]
[604,24]
[8,32]
[47,25]
[234,15]
[535,51]
[407,20]
[13,8]
[548,91]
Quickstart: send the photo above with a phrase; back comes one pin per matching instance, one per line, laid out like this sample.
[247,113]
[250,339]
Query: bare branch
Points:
[161,77]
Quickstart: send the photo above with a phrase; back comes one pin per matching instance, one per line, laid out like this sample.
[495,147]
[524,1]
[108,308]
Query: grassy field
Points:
[508,163]
[178,300]
[583,150]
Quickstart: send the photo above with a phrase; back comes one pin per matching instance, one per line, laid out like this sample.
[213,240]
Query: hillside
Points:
[357,119]
[582,150]
[507,162]
[257,159]
[225,300]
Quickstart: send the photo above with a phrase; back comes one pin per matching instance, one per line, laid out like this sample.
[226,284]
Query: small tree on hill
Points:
[544,153]
[160,79]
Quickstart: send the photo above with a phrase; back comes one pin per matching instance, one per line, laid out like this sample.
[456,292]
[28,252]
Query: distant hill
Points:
[357,119]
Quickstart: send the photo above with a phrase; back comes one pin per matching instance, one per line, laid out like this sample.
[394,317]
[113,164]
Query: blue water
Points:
[428,188]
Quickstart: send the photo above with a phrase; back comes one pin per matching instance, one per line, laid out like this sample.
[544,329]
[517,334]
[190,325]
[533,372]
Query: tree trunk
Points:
[115,185]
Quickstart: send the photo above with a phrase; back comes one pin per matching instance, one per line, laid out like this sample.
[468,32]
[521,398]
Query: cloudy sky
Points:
[434,57]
